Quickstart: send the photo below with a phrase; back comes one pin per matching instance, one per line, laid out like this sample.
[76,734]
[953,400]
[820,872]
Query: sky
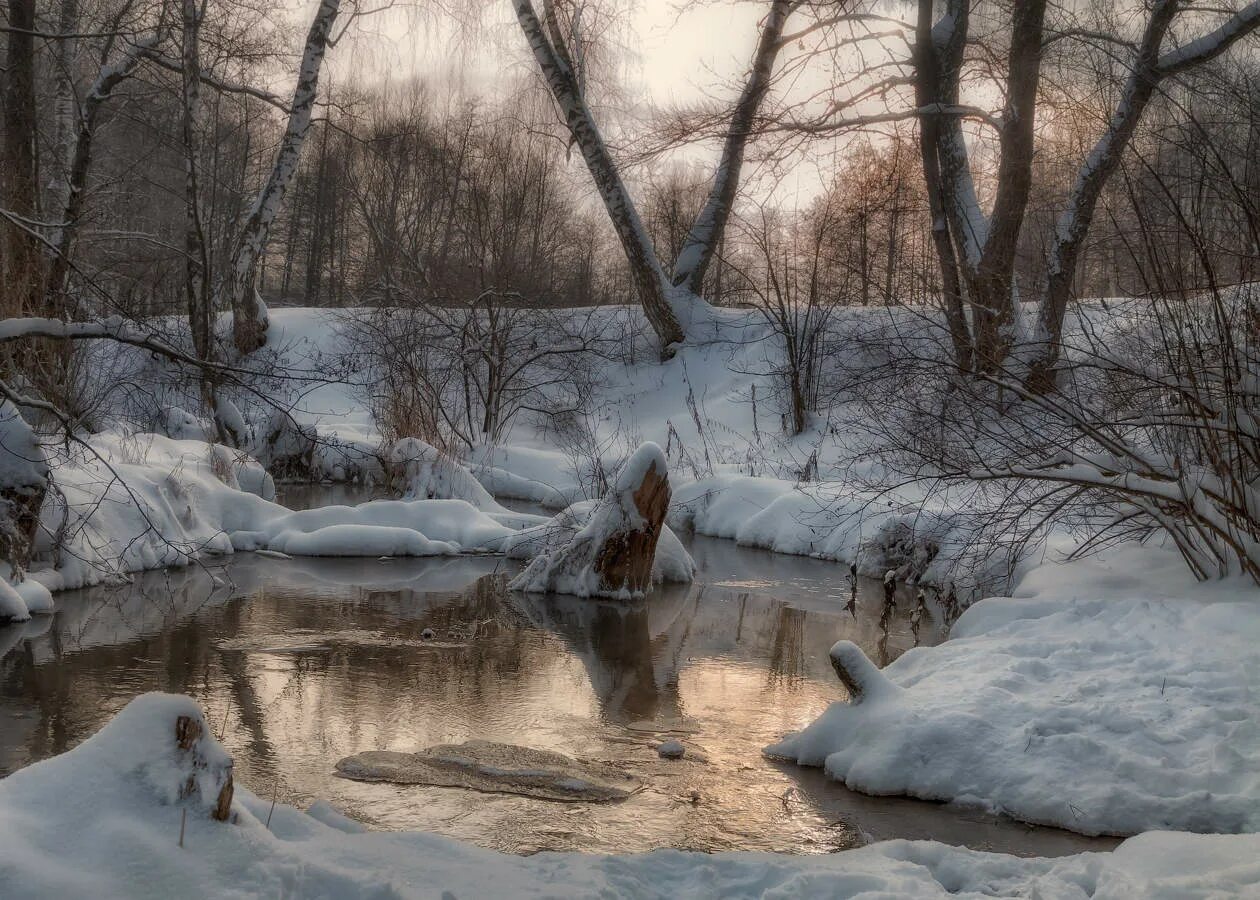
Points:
[674,55]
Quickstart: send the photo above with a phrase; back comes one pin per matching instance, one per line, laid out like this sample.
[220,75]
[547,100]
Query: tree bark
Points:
[993,281]
[710,225]
[928,93]
[249,315]
[196,263]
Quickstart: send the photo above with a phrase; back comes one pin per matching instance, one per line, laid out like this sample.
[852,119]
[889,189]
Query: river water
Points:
[301,662]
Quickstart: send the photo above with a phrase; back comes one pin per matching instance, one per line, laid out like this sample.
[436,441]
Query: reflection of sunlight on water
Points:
[300,663]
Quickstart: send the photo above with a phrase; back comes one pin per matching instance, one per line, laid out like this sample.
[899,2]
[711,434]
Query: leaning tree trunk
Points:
[249,314]
[1149,69]
[80,158]
[710,225]
[645,268]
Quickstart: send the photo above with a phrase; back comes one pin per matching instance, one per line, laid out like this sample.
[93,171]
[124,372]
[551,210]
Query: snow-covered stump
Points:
[613,554]
[860,677]
[208,768]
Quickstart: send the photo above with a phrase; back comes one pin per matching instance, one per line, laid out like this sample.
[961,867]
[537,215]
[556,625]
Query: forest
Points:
[602,448]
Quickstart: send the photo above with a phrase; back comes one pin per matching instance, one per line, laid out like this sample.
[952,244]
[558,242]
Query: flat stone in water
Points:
[494,768]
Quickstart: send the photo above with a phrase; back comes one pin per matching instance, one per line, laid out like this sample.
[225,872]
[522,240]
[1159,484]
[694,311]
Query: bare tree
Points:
[249,314]
[1151,66]
[667,303]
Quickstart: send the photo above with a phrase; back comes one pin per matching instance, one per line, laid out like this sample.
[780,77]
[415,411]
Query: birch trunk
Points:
[79,159]
[645,269]
[1149,68]
[710,225]
[249,314]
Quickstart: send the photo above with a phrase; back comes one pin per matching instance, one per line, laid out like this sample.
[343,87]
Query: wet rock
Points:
[494,768]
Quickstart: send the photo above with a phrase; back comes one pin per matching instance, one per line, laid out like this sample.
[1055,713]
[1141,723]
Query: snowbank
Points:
[146,501]
[376,528]
[420,471]
[1091,703]
[921,538]
[103,821]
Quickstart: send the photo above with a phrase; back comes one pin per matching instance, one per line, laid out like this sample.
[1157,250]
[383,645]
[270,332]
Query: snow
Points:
[1109,697]
[144,501]
[376,528]
[523,473]
[421,471]
[22,462]
[112,806]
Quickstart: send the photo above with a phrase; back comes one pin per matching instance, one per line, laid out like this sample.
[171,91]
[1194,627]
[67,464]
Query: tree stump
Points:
[626,557]
[206,777]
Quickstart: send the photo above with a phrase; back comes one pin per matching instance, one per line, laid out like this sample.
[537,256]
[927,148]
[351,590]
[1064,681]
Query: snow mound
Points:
[1101,716]
[495,768]
[833,520]
[376,528]
[568,550]
[420,471]
[147,501]
[546,477]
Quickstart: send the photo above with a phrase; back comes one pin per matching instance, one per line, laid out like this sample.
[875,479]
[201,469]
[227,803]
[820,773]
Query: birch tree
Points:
[669,303]
[249,313]
[1151,65]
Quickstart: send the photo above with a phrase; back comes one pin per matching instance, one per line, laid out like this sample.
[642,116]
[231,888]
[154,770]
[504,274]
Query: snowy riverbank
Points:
[112,805]
[1111,695]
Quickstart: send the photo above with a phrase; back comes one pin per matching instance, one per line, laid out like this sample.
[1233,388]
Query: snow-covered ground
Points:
[1108,696]
[1111,695]
[104,820]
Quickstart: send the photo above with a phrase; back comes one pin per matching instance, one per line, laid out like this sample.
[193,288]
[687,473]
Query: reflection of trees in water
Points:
[787,649]
[614,642]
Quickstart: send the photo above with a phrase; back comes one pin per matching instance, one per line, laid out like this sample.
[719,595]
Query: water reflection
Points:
[299,663]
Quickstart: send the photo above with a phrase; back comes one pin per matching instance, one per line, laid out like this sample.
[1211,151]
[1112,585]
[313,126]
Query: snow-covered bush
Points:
[419,471]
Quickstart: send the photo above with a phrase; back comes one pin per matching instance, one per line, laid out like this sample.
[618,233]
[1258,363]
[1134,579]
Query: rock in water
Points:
[494,768]
[610,550]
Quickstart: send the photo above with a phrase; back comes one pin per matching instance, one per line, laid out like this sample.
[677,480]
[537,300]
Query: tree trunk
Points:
[645,269]
[196,287]
[710,225]
[993,282]
[928,93]
[22,259]
[249,314]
